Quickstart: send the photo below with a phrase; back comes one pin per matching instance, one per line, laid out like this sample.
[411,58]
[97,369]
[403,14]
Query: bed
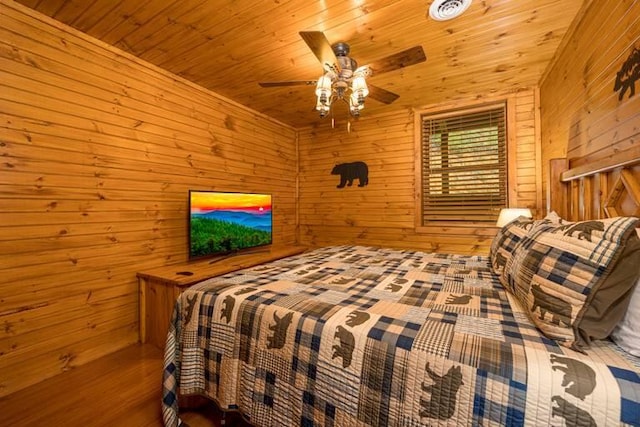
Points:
[364,336]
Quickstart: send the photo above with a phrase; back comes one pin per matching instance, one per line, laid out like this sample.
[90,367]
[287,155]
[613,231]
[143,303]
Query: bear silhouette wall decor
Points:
[628,75]
[350,171]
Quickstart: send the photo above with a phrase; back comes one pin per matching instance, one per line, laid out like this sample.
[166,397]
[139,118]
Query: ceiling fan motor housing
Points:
[341,49]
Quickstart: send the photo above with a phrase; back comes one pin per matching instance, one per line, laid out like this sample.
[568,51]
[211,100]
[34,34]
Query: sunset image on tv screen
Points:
[226,222]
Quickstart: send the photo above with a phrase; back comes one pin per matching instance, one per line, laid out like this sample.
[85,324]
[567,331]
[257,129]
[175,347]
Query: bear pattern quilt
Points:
[363,336]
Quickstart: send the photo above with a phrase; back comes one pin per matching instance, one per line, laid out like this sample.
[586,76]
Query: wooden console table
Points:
[160,287]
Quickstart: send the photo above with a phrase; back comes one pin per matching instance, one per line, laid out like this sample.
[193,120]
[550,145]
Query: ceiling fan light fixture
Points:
[323,109]
[323,89]
[352,90]
[443,10]
[356,104]
[359,87]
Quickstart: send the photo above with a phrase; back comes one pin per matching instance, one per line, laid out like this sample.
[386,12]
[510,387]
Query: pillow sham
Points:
[504,245]
[576,279]
[507,241]
[627,333]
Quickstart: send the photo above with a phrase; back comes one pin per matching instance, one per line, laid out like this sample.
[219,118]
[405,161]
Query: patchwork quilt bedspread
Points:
[362,336]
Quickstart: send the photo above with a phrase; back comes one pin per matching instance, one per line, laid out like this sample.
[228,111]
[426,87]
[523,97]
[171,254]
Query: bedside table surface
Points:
[188,273]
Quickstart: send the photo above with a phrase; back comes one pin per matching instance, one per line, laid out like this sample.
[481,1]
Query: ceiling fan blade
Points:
[289,83]
[321,48]
[412,56]
[382,95]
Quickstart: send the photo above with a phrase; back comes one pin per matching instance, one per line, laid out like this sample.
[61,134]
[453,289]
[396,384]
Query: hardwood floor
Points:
[122,389]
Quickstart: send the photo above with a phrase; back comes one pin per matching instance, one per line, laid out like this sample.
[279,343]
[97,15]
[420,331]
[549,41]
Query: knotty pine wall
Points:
[98,152]
[383,213]
[582,118]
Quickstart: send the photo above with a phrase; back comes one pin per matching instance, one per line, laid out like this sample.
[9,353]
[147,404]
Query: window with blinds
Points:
[464,165]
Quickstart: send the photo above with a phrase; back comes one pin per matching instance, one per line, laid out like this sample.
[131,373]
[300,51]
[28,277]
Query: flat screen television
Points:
[223,223]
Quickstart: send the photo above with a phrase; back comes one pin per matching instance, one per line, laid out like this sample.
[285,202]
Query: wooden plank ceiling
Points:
[229,46]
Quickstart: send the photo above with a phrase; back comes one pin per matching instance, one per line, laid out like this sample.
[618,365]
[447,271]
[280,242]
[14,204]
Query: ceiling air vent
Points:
[442,10]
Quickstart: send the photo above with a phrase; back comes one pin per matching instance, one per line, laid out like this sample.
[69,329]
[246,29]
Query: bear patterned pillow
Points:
[504,245]
[513,253]
[504,251]
[576,279]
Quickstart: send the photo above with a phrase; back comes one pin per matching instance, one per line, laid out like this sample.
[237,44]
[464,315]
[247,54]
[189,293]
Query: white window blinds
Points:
[464,165]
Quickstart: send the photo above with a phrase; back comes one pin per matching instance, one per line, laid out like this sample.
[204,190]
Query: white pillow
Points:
[627,333]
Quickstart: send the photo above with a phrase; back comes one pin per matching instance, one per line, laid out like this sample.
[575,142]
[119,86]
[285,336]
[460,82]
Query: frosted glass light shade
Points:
[323,89]
[509,214]
[359,87]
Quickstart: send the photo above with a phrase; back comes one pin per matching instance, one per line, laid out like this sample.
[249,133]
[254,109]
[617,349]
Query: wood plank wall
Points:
[383,212]
[582,118]
[99,150]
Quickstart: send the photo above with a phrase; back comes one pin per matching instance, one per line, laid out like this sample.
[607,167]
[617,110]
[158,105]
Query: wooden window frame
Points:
[451,110]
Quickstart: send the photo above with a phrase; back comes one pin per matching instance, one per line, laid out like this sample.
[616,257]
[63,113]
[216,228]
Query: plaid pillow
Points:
[514,261]
[575,279]
[504,245]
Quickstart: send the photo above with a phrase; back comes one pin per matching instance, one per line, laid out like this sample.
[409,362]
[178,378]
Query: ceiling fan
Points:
[343,79]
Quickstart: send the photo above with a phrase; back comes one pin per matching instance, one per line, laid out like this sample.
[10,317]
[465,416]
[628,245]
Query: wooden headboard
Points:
[602,189]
